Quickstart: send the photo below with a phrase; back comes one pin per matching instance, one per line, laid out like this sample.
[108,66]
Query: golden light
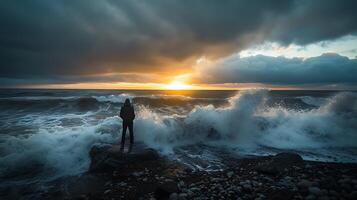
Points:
[178,85]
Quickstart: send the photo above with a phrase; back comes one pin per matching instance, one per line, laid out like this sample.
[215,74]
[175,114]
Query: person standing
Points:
[127,114]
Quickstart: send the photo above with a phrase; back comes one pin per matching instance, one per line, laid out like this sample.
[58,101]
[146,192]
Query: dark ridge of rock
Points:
[107,157]
[280,162]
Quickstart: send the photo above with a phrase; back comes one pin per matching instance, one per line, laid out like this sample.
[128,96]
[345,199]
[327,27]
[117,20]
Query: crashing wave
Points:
[247,122]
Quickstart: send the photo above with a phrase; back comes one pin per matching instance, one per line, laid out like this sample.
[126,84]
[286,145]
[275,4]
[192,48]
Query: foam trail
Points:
[247,122]
[57,150]
[113,98]
[314,101]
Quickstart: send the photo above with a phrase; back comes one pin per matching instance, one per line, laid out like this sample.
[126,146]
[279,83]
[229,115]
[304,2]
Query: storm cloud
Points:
[325,69]
[60,39]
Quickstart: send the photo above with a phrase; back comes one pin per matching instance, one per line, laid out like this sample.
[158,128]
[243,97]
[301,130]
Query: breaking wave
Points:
[54,150]
[113,98]
[314,101]
[59,144]
[247,121]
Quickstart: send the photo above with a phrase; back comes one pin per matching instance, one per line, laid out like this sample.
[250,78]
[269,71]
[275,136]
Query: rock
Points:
[315,191]
[286,183]
[106,157]
[182,196]
[304,183]
[173,196]
[280,163]
[247,187]
[164,190]
[310,197]
[180,184]
[324,198]
[333,193]
[230,174]
[352,195]
[122,184]
[137,174]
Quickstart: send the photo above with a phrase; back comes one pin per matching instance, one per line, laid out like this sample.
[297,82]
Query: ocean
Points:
[47,134]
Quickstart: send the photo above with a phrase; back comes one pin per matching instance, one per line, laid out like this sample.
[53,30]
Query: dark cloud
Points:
[324,69]
[72,79]
[83,38]
[317,20]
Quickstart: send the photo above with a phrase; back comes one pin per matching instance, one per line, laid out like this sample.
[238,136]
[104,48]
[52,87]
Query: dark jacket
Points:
[127,112]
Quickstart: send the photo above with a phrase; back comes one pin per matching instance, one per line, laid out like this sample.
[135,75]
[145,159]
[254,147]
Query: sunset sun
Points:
[177,85]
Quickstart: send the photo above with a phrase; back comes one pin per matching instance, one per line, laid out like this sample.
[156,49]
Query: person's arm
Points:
[121,113]
[133,113]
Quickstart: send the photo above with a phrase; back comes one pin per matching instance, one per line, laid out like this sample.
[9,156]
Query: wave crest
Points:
[248,121]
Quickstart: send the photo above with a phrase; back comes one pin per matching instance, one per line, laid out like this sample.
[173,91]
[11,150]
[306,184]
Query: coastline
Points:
[144,176]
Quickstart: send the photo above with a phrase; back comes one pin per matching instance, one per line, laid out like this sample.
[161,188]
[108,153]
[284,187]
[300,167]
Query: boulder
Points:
[164,190]
[278,163]
[109,157]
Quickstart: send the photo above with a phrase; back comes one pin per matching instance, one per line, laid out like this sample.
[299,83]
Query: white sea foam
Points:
[314,101]
[54,148]
[113,98]
[246,123]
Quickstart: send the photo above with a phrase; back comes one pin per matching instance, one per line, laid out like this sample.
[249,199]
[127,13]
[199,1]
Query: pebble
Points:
[352,195]
[315,191]
[324,198]
[310,197]
[122,184]
[247,187]
[137,174]
[230,174]
[305,183]
[181,184]
[173,196]
[182,196]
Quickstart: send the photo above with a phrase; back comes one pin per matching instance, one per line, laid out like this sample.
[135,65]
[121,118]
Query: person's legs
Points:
[131,136]
[131,132]
[125,126]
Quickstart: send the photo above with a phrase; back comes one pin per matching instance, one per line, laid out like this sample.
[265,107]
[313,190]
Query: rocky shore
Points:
[143,174]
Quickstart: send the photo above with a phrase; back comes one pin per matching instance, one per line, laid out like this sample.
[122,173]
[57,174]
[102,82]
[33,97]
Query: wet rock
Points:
[304,183]
[315,191]
[310,197]
[324,198]
[280,163]
[182,196]
[230,174]
[173,196]
[352,195]
[137,174]
[164,190]
[181,184]
[106,157]
[246,186]
[122,184]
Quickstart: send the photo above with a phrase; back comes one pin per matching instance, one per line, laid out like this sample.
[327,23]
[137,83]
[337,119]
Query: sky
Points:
[178,44]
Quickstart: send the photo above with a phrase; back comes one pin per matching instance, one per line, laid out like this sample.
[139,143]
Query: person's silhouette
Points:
[128,116]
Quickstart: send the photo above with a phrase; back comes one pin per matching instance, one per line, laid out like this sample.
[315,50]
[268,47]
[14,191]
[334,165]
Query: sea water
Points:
[47,134]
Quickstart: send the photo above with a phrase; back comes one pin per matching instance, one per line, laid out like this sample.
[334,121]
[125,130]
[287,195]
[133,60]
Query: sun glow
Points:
[177,85]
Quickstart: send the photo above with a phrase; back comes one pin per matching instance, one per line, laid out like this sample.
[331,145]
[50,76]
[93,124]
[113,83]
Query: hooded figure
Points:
[128,116]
